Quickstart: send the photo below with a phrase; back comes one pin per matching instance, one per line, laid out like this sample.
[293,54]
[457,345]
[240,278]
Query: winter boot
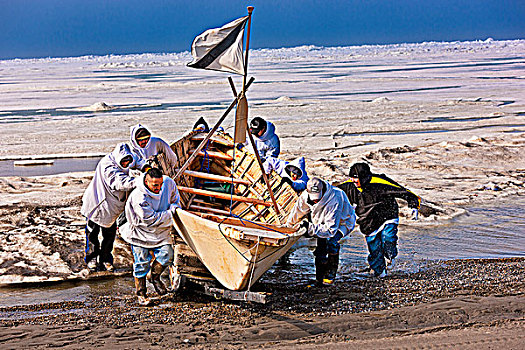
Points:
[320,271]
[331,268]
[140,290]
[154,278]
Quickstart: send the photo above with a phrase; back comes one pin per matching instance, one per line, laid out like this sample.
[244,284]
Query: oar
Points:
[210,134]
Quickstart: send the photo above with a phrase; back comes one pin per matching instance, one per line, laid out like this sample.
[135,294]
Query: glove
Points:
[287,180]
[306,225]
[173,208]
[415,214]
[240,146]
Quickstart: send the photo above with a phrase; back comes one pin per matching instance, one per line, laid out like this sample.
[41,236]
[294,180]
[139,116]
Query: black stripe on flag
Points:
[219,48]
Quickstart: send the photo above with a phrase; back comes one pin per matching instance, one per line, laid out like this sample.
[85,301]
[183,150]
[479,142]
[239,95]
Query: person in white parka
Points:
[327,215]
[147,146]
[148,229]
[104,200]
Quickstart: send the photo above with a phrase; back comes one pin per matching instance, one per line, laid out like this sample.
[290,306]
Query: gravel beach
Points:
[467,304]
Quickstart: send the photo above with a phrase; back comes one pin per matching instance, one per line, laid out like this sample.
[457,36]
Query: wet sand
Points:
[467,304]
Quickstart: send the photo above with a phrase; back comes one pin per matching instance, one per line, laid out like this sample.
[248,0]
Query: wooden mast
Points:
[250,10]
[210,134]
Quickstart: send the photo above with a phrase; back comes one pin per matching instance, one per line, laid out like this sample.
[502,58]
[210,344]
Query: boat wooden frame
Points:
[239,234]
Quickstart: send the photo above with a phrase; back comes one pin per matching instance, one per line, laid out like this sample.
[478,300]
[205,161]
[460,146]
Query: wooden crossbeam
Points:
[213,154]
[218,140]
[247,223]
[202,202]
[214,177]
[226,196]
[210,210]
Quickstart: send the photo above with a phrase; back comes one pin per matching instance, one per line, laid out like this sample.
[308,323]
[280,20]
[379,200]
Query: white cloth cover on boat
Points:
[154,147]
[105,196]
[220,48]
[331,214]
[149,215]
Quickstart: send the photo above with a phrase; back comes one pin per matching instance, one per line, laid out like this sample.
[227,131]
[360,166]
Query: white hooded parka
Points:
[105,196]
[331,214]
[149,215]
[154,147]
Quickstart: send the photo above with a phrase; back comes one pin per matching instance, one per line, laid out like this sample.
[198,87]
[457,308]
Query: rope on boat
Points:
[205,160]
[242,254]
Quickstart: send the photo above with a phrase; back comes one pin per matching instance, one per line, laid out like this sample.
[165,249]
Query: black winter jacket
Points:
[376,200]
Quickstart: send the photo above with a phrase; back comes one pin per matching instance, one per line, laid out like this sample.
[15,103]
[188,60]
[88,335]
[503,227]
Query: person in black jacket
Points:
[375,196]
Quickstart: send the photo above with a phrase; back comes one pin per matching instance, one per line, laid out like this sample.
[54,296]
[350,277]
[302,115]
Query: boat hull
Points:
[236,263]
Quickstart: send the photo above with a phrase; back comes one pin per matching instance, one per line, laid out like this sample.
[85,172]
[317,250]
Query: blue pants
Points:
[142,258]
[380,246]
[327,246]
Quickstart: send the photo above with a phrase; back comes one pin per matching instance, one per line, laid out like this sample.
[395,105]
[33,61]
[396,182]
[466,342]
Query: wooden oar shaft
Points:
[213,154]
[265,177]
[250,10]
[210,134]
[223,196]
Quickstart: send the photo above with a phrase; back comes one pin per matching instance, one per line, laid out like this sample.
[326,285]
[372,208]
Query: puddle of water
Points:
[17,315]
[67,291]
[485,232]
[60,166]
[453,119]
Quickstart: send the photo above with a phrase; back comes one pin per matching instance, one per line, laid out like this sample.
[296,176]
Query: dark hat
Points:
[201,125]
[257,124]
[361,171]
[315,188]
[142,133]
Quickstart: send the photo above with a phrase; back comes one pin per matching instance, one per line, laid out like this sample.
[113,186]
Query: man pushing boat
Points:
[328,216]
[374,196]
[266,140]
[104,200]
[147,146]
[148,228]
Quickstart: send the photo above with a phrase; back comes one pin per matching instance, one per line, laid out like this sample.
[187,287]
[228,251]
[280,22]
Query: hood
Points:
[362,171]
[297,163]
[270,131]
[141,186]
[328,193]
[133,133]
[122,150]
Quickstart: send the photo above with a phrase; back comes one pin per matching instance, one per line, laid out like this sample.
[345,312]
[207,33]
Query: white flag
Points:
[220,48]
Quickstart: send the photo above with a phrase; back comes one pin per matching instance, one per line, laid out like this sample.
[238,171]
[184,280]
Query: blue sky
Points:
[42,28]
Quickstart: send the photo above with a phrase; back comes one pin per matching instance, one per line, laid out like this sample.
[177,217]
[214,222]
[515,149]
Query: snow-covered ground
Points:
[445,119]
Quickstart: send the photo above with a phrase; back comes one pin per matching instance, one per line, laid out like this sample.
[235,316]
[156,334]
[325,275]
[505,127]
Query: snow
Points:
[444,118]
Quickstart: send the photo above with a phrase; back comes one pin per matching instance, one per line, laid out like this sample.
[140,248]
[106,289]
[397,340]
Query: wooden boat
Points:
[227,218]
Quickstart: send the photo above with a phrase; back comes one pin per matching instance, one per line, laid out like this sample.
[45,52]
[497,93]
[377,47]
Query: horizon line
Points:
[488,39]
